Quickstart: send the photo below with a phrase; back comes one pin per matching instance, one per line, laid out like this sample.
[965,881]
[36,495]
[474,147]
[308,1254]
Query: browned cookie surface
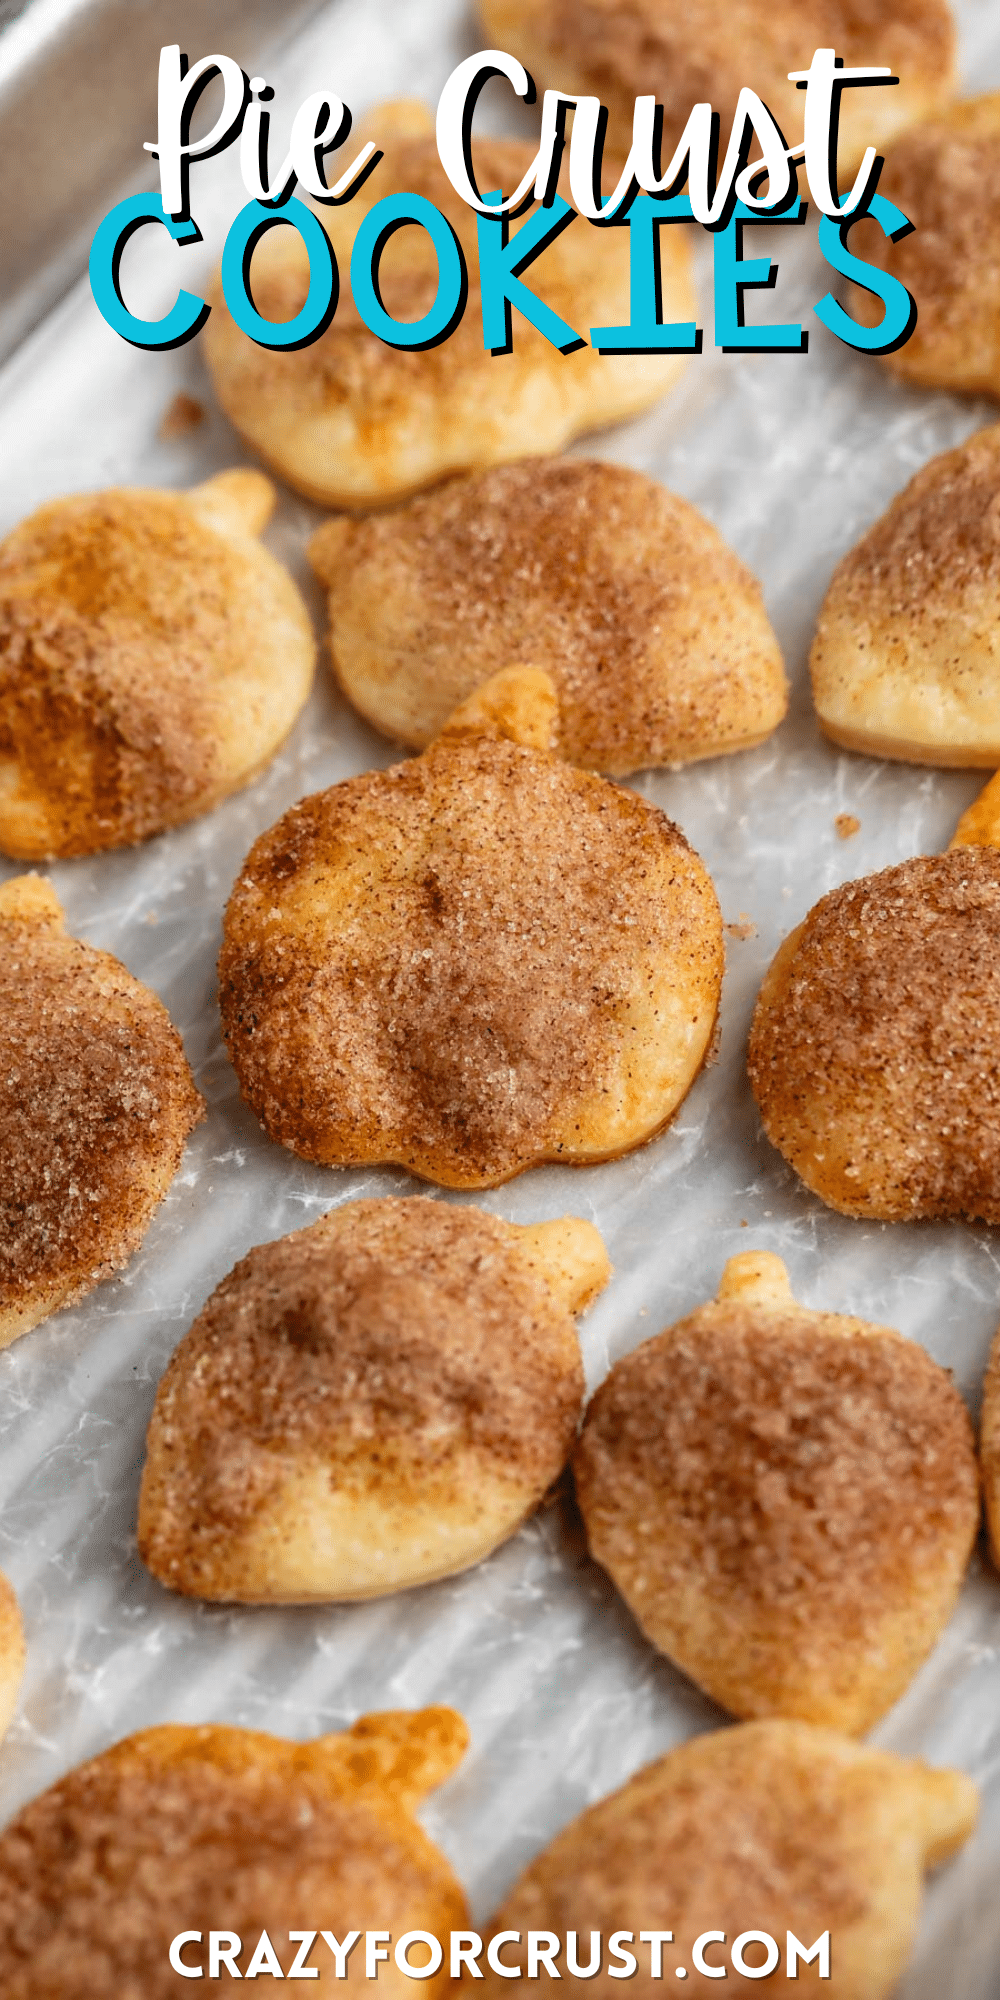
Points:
[710,49]
[769,1826]
[872,1050]
[152,657]
[654,633]
[375,1400]
[904,662]
[469,963]
[942,175]
[96,1102]
[215,1829]
[787,1500]
[354,422]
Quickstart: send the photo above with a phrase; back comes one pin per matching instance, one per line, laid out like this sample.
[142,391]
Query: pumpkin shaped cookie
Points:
[873,1044]
[472,962]
[786,1499]
[771,1827]
[353,422]
[372,1402]
[96,1102]
[201,1830]
[653,632]
[153,655]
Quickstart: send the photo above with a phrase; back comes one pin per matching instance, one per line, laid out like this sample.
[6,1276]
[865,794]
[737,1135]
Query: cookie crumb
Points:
[745,928]
[184,414]
[847,826]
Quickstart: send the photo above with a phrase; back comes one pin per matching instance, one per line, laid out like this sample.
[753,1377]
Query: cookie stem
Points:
[980,825]
[755,1277]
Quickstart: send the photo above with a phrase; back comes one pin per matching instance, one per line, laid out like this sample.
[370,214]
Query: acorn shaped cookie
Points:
[96,1102]
[153,655]
[770,1827]
[353,422]
[787,1500]
[372,1402]
[653,632]
[873,1044]
[904,663]
[943,175]
[473,962]
[619,50]
[178,1833]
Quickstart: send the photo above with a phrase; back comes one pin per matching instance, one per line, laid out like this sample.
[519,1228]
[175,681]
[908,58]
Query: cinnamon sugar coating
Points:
[904,662]
[708,50]
[771,1826]
[787,1500]
[470,963]
[873,1047]
[152,657]
[222,1829]
[652,630]
[96,1102]
[403,1363]
[943,175]
[352,422]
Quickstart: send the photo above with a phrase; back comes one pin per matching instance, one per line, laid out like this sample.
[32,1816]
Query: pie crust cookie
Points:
[153,655]
[873,1044]
[942,175]
[905,662]
[352,422]
[471,963]
[653,631]
[214,1829]
[96,1102]
[786,1499]
[619,50]
[375,1401]
[769,1826]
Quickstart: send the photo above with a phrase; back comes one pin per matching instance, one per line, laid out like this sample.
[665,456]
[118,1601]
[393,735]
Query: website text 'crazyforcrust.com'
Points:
[509,1954]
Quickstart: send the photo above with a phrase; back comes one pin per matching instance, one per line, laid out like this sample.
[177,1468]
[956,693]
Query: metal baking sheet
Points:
[791,457]
[89,67]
